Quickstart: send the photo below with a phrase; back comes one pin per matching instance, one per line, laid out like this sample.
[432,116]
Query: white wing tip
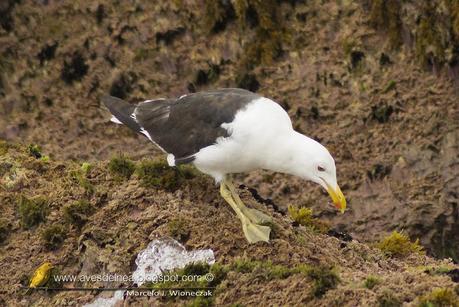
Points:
[115,120]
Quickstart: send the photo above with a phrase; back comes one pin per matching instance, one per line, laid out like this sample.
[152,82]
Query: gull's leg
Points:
[254,215]
[252,231]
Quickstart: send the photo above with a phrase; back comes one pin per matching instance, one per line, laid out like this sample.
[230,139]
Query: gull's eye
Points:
[320,169]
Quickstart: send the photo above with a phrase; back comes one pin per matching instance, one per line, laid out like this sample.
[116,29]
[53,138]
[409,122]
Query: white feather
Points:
[115,120]
[171,159]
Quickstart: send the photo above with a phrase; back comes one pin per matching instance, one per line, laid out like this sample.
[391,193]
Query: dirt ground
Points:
[390,122]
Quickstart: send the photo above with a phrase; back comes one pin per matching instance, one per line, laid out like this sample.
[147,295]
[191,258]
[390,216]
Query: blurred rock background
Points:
[375,81]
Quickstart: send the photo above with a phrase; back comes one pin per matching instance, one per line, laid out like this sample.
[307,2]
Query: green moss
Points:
[390,86]
[159,174]
[440,297]
[436,270]
[78,213]
[177,228]
[53,236]
[325,278]
[270,35]
[244,265]
[4,230]
[86,168]
[437,33]
[198,272]
[121,167]
[399,245]
[303,216]
[453,6]
[371,281]
[385,15]
[3,148]
[429,47]
[196,268]
[388,299]
[44,159]
[263,269]
[34,151]
[172,278]
[80,177]
[219,273]
[201,301]
[32,211]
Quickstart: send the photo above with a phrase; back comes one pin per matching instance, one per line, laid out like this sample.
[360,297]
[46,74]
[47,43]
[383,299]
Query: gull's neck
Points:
[287,153]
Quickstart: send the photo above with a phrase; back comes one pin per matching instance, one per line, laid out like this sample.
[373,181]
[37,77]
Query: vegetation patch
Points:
[303,216]
[5,167]
[3,148]
[121,167]
[381,112]
[159,174]
[430,47]
[390,86]
[173,279]
[439,297]
[371,282]
[177,229]
[265,269]
[32,211]
[270,35]
[4,230]
[399,245]
[323,277]
[388,299]
[385,15]
[34,151]
[53,236]
[80,176]
[78,213]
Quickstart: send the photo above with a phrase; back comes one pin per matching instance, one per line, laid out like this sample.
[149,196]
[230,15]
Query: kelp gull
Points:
[228,131]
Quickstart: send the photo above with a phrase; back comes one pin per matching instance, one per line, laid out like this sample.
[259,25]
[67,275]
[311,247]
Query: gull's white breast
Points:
[255,135]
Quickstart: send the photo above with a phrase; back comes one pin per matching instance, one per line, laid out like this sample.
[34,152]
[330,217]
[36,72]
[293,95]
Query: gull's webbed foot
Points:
[250,218]
[255,233]
[256,216]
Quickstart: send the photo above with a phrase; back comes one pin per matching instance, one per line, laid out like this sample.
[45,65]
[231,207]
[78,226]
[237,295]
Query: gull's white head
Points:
[312,161]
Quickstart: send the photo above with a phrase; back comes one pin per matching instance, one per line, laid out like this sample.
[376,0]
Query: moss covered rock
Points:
[32,211]
[121,167]
[53,236]
[77,213]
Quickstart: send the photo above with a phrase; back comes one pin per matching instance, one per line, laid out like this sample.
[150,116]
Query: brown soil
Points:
[391,125]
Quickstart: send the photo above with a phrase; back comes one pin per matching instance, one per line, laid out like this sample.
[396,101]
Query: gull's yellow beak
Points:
[337,197]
